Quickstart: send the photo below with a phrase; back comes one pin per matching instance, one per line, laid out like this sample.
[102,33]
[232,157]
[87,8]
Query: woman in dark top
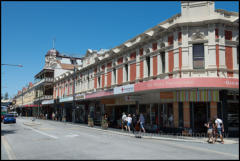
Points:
[210,127]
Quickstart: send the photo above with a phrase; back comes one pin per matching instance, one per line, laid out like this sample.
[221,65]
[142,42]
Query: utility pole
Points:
[74,108]
[22,102]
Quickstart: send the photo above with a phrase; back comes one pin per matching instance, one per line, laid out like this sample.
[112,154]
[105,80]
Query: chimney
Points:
[197,9]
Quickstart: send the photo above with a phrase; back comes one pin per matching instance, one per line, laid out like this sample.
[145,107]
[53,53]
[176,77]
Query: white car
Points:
[15,114]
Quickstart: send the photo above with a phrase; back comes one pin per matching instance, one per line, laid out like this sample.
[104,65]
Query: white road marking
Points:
[10,153]
[43,133]
[72,135]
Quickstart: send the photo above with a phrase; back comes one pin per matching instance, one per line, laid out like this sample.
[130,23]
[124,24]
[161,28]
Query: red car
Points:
[2,117]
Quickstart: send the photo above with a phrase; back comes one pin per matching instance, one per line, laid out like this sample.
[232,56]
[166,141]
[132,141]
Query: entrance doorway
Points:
[200,116]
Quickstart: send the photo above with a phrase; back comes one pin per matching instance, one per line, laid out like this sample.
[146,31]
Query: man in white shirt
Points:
[129,122]
[124,120]
[220,128]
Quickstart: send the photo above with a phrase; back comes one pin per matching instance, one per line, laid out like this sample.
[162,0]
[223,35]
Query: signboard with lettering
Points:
[133,98]
[80,96]
[124,89]
[46,102]
[66,99]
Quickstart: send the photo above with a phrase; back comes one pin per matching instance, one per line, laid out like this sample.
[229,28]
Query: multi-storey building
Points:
[55,65]
[24,101]
[179,74]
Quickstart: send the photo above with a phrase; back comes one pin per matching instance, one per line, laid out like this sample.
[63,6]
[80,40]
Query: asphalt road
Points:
[57,140]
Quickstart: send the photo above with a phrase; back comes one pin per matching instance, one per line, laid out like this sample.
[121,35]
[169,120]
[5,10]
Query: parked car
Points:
[15,114]
[9,118]
[2,117]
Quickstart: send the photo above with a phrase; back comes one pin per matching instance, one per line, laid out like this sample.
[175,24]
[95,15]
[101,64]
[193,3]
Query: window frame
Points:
[195,58]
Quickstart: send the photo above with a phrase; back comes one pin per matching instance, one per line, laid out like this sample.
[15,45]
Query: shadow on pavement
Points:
[5,132]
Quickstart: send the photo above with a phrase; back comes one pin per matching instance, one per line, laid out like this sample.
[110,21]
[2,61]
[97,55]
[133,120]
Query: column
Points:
[213,110]
[175,114]
[186,115]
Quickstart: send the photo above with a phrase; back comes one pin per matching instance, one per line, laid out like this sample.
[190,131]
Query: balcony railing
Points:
[43,81]
[45,97]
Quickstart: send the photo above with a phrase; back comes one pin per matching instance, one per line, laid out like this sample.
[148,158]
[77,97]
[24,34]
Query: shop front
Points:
[48,108]
[66,105]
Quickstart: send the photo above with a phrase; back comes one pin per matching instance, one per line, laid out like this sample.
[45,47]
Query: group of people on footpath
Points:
[215,129]
[131,121]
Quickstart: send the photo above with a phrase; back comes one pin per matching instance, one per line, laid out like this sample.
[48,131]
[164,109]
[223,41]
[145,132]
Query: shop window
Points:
[233,117]
[126,72]
[167,115]
[148,65]
[198,56]
[162,54]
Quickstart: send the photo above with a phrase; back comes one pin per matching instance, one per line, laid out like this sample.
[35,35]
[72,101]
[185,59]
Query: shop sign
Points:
[45,102]
[122,101]
[99,94]
[124,89]
[80,96]
[133,98]
[188,83]
[66,99]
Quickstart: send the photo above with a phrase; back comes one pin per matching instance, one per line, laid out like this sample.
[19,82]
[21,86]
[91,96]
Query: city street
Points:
[45,139]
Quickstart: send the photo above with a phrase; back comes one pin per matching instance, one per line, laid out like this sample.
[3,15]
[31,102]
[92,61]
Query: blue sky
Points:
[28,29]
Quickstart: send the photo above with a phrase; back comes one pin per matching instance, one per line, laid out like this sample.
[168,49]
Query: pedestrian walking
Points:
[142,121]
[124,118]
[129,122]
[220,129]
[134,122]
[210,126]
[53,116]
[46,115]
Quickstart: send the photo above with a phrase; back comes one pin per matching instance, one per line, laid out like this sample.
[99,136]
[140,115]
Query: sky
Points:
[28,30]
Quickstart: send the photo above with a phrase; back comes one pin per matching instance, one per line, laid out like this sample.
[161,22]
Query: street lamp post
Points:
[74,108]
[18,65]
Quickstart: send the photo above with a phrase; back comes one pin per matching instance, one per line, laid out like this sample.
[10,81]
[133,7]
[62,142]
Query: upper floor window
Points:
[73,61]
[126,72]
[99,82]
[114,75]
[198,56]
[162,54]
[148,65]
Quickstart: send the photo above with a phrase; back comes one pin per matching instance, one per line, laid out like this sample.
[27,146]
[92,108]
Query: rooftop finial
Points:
[54,39]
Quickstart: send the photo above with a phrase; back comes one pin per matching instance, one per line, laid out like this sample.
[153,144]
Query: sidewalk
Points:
[139,135]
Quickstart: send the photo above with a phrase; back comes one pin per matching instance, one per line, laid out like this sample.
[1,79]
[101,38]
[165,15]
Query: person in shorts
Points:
[220,129]
[141,121]
[129,122]
[210,125]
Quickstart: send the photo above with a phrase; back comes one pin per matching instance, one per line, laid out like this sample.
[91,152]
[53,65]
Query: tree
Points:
[6,96]
[1,96]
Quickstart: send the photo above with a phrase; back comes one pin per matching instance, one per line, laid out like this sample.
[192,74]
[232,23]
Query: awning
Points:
[31,105]
[46,102]
[197,96]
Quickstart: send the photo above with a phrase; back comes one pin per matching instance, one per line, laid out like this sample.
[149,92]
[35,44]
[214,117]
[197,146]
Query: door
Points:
[200,117]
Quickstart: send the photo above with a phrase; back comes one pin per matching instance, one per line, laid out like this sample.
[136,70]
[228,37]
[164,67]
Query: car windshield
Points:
[9,115]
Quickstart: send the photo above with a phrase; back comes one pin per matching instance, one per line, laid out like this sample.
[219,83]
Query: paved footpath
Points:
[142,135]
